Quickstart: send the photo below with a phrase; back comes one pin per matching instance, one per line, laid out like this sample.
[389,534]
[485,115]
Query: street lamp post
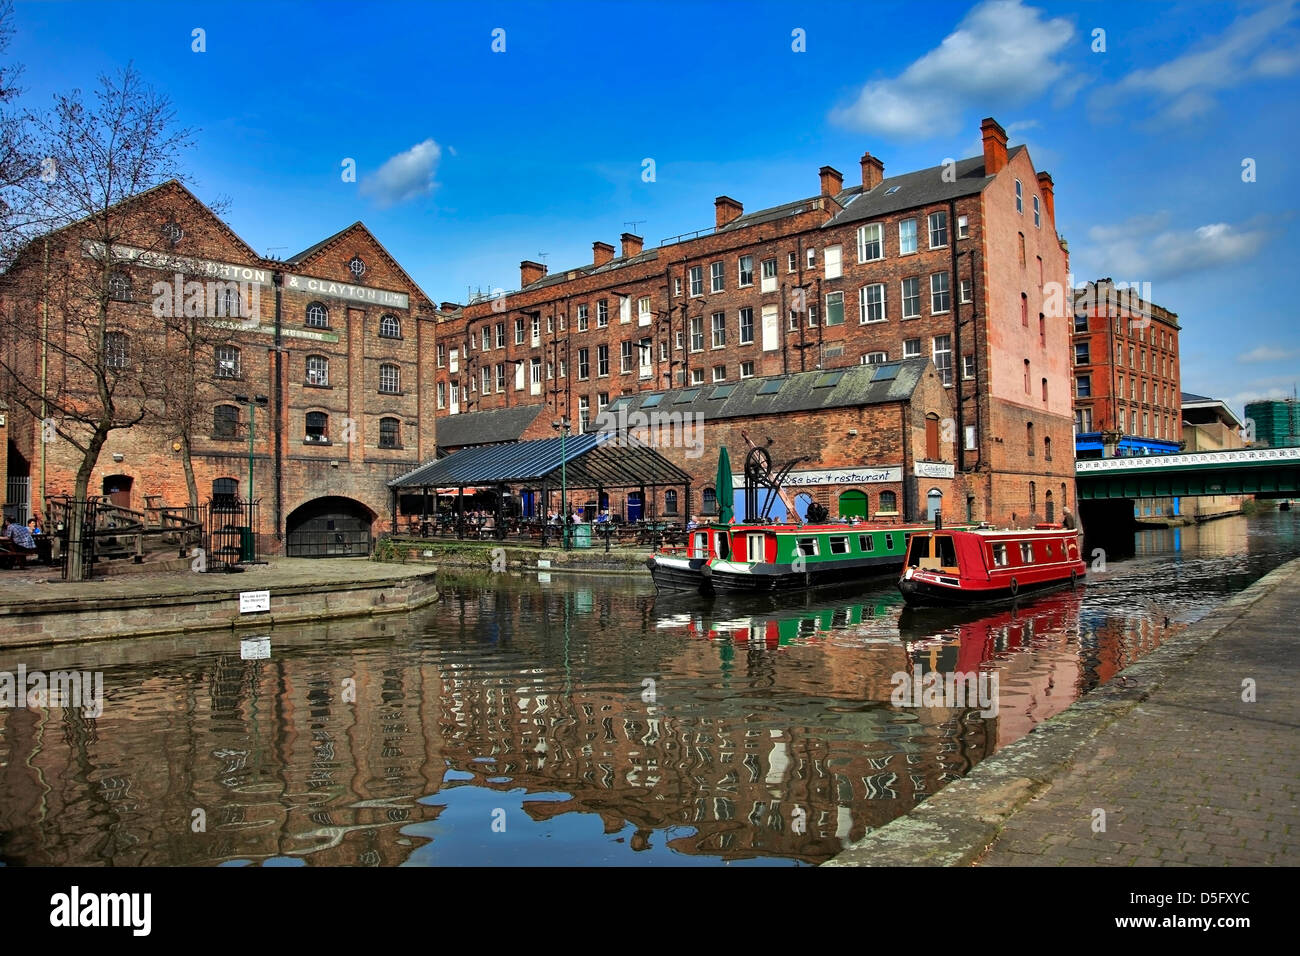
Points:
[562,426]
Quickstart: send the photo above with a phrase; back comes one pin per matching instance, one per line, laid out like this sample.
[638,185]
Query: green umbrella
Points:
[726,494]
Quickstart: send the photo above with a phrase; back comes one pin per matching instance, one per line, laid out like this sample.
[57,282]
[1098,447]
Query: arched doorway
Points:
[853,503]
[330,527]
[118,489]
[933,504]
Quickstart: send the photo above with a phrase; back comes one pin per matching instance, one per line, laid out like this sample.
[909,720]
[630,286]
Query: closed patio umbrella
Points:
[725,492]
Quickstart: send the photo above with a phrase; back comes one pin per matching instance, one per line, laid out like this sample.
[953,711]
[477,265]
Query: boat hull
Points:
[672,573]
[924,594]
[764,578]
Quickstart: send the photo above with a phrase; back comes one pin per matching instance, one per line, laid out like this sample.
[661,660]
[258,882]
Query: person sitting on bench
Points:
[20,539]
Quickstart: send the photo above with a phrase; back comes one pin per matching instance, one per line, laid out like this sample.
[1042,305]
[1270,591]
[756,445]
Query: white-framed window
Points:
[663,350]
[536,329]
[871,303]
[440,352]
[716,282]
[813,316]
[697,280]
[938,223]
[584,413]
[963,227]
[318,317]
[486,338]
[602,313]
[584,364]
[643,313]
[769,276]
[943,357]
[625,357]
[390,379]
[745,270]
[906,237]
[965,291]
[116,349]
[1020,198]
[874,358]
[911,290]
[940,296]
[968,366]
[697,376]
[485,379]
[811,258]
[602,402]
[227,357]
[719,327]
[719,373]
[582,318]
[624,309]
[677,285]
[453,361]
[697,333]
[318,370]
[390,327]
[871,242]
[602,361]
[834,307]
[677,339]
[746,326]
[501,335]
[911,348]
[1038,217]
[519,331]
[831,259]
[746,369]
[792,262]
[442,394]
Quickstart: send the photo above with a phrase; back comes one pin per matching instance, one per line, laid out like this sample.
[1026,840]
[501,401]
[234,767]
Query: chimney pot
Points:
[995,146]
[601,253]
[832,181]
[530,272]
[725,210]
[1048,189]
[873,171]
[632,245]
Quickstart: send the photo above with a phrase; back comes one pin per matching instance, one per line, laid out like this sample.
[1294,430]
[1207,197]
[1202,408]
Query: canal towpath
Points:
[1188,757]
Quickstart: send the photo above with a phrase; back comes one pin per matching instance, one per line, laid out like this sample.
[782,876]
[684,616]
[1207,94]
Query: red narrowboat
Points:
[957,568]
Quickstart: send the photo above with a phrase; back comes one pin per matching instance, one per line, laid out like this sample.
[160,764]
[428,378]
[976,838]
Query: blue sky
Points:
[469,160]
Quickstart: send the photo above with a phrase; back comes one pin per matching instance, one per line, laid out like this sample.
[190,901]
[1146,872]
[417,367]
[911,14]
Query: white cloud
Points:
[1268,353]
[1142,249]
[1002,53]
[1260,45]
[405,176]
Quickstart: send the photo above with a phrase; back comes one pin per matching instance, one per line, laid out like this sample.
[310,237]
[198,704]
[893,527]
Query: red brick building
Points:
[1127,386]
[947,263]
[332,337]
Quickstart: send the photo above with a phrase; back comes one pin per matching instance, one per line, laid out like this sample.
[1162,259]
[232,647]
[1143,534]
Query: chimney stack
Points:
[873,171]
[995,146]
[601,253]
[1048,189]
[631,245]
[725,210]
[450,306]
[530,272]
[832,181]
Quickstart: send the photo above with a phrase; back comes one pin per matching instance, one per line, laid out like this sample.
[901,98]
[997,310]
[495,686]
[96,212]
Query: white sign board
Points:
[255,649]
[934,469]
[865,475]
[250,602]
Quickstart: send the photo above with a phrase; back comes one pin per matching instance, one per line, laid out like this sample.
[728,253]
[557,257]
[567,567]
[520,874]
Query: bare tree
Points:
[112,367]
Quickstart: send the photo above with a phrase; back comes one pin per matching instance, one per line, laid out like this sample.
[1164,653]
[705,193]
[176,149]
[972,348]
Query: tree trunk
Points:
[78,566]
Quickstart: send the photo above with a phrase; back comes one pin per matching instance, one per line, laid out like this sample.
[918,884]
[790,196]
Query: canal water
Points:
[574,720]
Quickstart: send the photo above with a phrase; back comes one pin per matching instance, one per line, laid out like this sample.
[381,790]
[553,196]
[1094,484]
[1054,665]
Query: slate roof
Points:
[486,428]
[1190,397]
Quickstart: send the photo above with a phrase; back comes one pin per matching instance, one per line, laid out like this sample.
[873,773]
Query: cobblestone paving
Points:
[1192,776]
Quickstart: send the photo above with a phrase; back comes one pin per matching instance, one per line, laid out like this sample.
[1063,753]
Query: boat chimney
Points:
[938,521]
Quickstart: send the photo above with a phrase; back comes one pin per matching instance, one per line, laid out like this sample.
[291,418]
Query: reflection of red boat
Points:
[960,640]
[956,568]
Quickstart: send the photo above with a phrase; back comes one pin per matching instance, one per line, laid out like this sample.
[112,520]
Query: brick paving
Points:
[1186,772]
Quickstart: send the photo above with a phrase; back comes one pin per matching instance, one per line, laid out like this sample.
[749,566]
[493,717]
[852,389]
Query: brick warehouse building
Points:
[948,263]
[1127,385]
[340,326]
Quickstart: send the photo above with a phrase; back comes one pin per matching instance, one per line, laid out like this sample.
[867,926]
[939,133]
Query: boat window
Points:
[1026,552]
[1000,554]
[807,546]
[866,542]
[754,547]
[839,545]
[701,549]
[945,551]
[724,545]
[889,542]
[918,550]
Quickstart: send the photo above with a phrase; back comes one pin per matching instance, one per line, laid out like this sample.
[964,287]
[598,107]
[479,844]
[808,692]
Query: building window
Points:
[871,242]
[391,328]
[968,366]
[582,318]
[768,283]
[602,402]
[964,286]
[501,335]
[1083,419]
[318,317]
[716,283]
[874,358]
[697,280]
[1083,386]
[745,270]
[719,373]
[1020,198]
[746,326]
[318,370]
[1081,323]
[519,331]
[888,503]
[834,308]
[1026,376]
[440,352]
[1033,507]
[625,357]
[602,360]
[718,322]
[1024,310]
[1047,447]
[943,357]
[832,262]
[536,336]
[119,287]
[584,413]
[670,502]
[963,227]
[697,333]
[1037,216]
[791,262]
[486,335]
[225,421]
[442,394]
[812,316]
[317,430]
[1042,331]
[602,313]
[227,361]
[940,297]
[911,348]
[501,375]
[389,433]
[906,237]
[1044,389]
[584,364]
[1029,439]
[485,377]
[912,298]
[390,379]
[677,285]
[811,258]
[697,376]
[938,229]
[709,502]
[871,303]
